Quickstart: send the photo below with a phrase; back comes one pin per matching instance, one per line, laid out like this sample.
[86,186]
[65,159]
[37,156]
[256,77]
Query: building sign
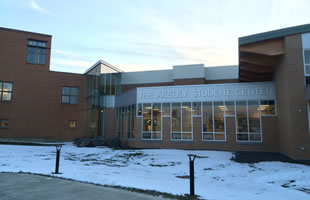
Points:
[211,92]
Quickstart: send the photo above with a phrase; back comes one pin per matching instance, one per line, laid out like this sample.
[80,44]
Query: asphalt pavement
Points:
[18,186]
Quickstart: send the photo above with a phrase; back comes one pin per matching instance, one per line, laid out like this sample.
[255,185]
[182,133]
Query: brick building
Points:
[260,105]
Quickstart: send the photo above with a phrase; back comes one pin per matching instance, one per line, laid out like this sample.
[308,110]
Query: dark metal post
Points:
[191,174]
[58,147]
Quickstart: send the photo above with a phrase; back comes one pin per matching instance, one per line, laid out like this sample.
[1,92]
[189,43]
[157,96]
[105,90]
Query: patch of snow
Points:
[216,177]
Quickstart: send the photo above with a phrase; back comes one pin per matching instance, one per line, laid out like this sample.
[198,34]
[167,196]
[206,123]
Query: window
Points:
[166,109]
[6,91]
[151,126]
[197,108]
[4,123]
[36,52]
[181,121]
[213,121]
[307,61]
[70,95]
[73,124]
[267,107]
[248,121]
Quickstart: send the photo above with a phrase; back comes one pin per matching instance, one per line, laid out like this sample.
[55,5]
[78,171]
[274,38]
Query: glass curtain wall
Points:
[101,80]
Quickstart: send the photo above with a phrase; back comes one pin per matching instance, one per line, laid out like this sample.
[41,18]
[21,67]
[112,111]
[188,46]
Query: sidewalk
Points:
[35,187]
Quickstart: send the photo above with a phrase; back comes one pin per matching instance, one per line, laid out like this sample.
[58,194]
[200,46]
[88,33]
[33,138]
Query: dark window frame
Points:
[70,95]
[38,52]
[1,91]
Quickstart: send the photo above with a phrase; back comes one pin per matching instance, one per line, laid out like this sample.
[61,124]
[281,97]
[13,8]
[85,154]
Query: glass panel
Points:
[156,117]
[6,96]
[307,69]
[196,108]
[73,100]
[229,108]
[123,121]
[147,117]
[207,117]
[129,112]
[243,137]
[41,56]
[219,136]
[255,137]
[65,99]
[254,118]
[108,84]
[176,136]
[133,115]
[219,116]
[207,136]
[7,87]
[66,91]
[31,58]
[242,121]
[156,135]
[146,135]
[112,84]
[187,136]
[186,117]
[267,107]
[307,56]
[176,117]
[0,87]
[166,109]
[75,91]
[139,109]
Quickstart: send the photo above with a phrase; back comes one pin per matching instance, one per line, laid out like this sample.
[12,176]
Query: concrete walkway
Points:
[35,187]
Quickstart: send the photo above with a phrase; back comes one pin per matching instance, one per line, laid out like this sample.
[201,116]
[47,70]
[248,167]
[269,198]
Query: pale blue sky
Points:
[137,35]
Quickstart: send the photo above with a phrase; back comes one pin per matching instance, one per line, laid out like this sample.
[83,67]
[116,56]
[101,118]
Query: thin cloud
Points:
[34,5]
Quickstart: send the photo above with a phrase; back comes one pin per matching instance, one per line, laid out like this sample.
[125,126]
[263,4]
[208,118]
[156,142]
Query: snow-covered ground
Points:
[217,177]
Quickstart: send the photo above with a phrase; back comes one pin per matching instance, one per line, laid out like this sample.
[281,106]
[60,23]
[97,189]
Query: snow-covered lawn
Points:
[217,177]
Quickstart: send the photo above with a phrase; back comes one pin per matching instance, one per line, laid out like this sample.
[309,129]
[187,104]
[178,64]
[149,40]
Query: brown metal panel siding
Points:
[292,108]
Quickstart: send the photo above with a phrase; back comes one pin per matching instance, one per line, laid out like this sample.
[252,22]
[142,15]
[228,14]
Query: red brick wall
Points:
[36,109]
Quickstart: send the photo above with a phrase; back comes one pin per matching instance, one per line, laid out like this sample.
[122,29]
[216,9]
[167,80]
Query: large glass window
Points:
[213,121]
[176,120]
[6,91]
[152,128]
[248,121]
[181,121]
[207,121]
[36,52]
[197,108]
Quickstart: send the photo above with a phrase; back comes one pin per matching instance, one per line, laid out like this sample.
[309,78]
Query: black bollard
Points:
[58,147]
[191,174]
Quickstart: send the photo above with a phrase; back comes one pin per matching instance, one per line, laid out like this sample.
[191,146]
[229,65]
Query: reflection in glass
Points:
[166,109]
[176,117]
[229,108]
[196,108]
[242,121]
[219,116]
[254,118]
[156,117]
[186,117]
[207,123]
[267,107]
[147,107]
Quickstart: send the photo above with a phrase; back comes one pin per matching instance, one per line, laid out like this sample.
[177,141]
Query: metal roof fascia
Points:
[274,34]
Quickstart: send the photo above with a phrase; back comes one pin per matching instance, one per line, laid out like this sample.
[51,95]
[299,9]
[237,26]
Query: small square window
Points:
[6,91]
[36,52]
[4,123]
[73,124]
[70,95]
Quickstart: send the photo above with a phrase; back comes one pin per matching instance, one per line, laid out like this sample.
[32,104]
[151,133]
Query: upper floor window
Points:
[307,61]
[5,91]
[36,52]
[70,95]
